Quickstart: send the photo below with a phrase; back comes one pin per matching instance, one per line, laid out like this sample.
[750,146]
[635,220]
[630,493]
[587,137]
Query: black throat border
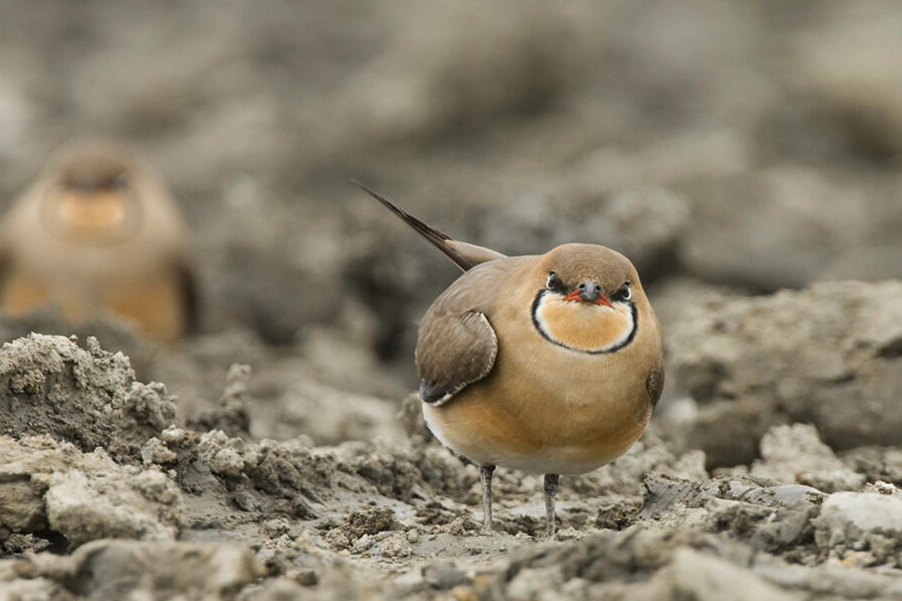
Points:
[535,322]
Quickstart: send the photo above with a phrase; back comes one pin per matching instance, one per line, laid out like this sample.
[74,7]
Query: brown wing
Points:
[655,382]
[454,351]
[187,282]
[457,344]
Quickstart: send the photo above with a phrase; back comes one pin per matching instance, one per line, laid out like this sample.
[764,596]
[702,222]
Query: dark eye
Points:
[120,182]
[624,294]
[554,282]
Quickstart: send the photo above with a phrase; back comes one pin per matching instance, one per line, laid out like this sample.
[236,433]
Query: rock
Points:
[51,485]
[853,521]
[114,333]
[21,502]
[110,506]
[531,582]
[370,522]
[702,577]
[460,73]
[155,451]
[410,416]
[877,463]
[267,275]
[734,356]
[849,68]
[279,589]
[332,415]
[777,519]
[830,580]
[789,226]
[729,432]
[796,454]
[37,588]
[49,385]
[443,575]
[395,546]
[222,454]
[232,415]
[118,569]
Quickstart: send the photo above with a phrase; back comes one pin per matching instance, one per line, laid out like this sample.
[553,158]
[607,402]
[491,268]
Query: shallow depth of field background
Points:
[748,146]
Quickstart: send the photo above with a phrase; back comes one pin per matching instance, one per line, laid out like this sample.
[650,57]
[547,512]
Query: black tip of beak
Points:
[589,291]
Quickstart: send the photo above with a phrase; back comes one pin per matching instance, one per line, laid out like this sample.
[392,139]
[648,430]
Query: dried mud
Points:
[106,491]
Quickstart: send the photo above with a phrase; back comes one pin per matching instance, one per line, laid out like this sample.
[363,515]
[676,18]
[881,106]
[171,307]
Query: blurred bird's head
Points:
[90,196]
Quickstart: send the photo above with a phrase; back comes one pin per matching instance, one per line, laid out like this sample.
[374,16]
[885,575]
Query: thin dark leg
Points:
[486,471]
[551,484]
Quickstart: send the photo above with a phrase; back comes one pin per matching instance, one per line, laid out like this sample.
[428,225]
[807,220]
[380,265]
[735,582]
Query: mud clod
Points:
[231,416]
[833,355]
[370,522]
[52,487]
[85,396]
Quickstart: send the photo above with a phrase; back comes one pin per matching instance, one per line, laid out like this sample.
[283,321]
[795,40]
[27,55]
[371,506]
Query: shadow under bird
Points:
[98,232]
[550,363]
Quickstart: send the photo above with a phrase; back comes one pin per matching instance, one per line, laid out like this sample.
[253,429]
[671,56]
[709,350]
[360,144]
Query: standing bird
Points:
[99,232]
[549,363]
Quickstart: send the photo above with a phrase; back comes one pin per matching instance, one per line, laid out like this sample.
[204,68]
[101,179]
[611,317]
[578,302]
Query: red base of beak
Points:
[601,300]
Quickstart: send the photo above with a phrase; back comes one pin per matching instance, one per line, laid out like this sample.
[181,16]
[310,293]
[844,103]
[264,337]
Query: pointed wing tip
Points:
[435,237]
[380,198]
[365,188]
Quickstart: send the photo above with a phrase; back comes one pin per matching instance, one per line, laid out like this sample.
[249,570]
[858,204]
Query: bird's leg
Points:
[551,484]
[486,471]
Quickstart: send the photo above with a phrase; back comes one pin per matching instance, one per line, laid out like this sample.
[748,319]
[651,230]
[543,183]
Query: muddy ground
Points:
[745,157]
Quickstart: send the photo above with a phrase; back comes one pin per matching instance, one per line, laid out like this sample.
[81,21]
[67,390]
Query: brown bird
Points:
[549,363]
[98,232]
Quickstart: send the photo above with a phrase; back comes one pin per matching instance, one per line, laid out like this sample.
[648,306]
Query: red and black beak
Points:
[588,292]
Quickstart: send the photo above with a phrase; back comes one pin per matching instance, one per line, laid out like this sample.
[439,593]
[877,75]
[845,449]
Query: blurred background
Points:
[722,146]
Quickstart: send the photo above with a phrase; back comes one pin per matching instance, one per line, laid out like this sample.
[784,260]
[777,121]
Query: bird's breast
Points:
[546,408]
[585,327]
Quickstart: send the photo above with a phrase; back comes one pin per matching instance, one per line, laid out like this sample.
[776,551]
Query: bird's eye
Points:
[624,294]
[554,282]
[120,182]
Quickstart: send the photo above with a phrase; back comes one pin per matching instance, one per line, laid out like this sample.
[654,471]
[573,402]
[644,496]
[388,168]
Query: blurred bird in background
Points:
[99,233]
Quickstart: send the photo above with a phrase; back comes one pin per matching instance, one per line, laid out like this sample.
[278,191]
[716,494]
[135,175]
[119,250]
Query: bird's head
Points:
[89,195]
[586,298]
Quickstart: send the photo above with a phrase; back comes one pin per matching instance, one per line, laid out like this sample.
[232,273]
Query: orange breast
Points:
[21,293]
[156,305]
[516,419]
[584,326]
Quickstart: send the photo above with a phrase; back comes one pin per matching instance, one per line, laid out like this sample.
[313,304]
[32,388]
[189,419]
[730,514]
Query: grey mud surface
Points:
[107,491]
[744,155]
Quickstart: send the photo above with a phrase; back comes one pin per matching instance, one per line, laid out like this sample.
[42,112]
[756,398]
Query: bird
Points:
[549,363]
[97,232]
